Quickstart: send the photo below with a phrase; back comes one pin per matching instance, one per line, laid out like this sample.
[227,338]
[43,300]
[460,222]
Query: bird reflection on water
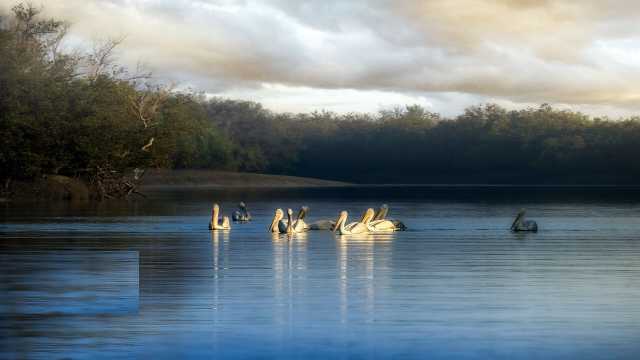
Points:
[369,252]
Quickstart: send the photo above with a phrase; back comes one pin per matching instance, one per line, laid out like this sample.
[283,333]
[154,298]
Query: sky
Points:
[364,56]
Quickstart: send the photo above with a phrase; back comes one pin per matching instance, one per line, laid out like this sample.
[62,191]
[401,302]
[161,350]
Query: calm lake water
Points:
[147,279]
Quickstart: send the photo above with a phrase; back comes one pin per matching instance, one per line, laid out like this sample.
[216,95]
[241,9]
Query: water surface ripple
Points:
[456,285]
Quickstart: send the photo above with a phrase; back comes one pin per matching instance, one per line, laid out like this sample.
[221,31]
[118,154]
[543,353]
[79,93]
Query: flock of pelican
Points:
[370,222]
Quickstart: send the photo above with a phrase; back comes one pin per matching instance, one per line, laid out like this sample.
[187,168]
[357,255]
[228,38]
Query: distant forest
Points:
[82,115]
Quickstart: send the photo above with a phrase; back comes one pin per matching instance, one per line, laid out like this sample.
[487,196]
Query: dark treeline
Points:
[82,115]
[485,144]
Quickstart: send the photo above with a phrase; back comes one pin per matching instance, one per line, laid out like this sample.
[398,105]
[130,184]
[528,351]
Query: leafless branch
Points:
[145,104]
[101,57]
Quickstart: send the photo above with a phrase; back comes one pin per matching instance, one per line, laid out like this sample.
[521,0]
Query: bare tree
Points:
[102,58]
[146,103]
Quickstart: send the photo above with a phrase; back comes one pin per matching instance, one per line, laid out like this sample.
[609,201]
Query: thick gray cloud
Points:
[443,53]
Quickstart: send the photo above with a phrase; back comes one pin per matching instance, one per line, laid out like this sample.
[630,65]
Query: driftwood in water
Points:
[111,184]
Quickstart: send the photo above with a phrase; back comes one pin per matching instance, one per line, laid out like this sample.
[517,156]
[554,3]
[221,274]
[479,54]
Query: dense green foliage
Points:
[81,115]
[485,144]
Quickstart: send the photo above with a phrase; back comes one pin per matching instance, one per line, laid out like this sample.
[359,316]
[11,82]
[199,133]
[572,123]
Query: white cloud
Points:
[304,99]
[359,55]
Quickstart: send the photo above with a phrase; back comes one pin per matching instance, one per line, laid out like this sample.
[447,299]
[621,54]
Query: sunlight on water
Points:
[457,284]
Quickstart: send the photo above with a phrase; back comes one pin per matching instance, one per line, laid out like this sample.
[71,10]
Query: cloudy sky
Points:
[359,55]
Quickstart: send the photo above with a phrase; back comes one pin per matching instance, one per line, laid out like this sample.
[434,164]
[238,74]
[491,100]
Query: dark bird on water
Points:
[242,214]
[522,225]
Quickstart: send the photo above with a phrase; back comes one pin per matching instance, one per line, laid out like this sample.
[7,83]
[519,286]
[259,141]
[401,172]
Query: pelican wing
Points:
[356,228]
[381,226]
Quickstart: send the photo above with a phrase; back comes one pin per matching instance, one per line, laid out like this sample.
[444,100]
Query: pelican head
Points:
[368,216]
[341,219]
[279,214]
[242,205]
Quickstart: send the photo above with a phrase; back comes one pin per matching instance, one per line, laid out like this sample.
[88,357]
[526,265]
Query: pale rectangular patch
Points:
[69,282]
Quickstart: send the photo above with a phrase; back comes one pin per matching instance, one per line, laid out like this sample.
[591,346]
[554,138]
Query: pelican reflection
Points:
[362,259]
[289,271]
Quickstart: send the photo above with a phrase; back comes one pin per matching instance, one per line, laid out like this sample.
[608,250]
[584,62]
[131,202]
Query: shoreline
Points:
[214,179]
[158,180]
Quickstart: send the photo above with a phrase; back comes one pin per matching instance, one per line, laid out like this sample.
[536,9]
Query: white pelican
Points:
[278,225]
[213,224]
[381,214]
[350,229]
[242,214]
[289,226]
[520,224]
[298,225]
[377,226]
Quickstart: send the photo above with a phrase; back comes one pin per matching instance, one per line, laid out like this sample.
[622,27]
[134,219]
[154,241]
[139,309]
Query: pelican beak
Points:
[367,216]
[382,212]
[302,213]
[364,216]
[274,222]
[517,219]
[338,222]
[370,215]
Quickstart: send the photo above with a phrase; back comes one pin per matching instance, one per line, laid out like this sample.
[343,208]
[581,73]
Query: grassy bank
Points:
[176,179]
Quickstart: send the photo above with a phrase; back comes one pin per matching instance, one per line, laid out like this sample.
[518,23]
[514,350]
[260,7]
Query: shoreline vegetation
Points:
[80,123]
[57,187]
